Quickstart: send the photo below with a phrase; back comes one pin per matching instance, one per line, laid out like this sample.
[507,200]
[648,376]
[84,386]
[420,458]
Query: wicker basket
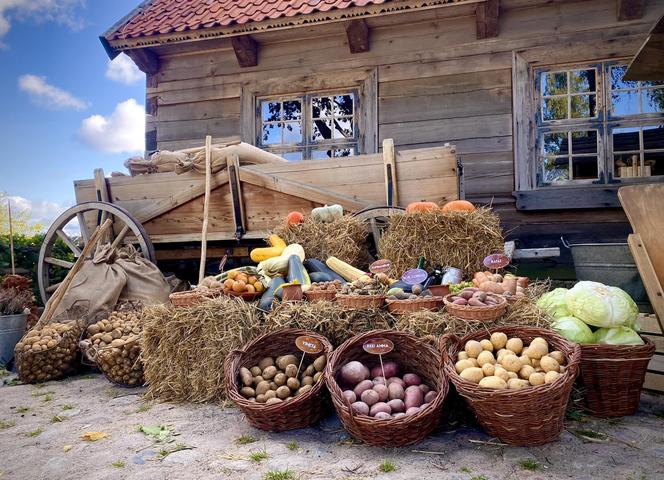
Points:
[190,298]
[483,314]
[400,307]
[612,377]
[360,302]
[300,412]
[246,296]
[529,416]
[319,296]
[414,355]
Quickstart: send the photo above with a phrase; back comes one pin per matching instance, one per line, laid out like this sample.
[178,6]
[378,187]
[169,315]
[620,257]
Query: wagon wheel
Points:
[123,224]
[378,219]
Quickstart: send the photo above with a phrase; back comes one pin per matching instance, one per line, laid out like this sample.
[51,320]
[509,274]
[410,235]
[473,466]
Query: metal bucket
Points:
[12,328]
[611,264]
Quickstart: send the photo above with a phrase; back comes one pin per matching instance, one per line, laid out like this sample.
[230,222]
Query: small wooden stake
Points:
[206,208]
[11,236]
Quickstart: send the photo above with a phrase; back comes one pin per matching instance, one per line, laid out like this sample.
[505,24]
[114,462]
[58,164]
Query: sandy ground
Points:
[41,428]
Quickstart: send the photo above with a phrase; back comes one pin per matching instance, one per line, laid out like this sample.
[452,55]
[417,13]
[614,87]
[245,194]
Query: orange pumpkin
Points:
[421,207]
[294,218]
[459,206]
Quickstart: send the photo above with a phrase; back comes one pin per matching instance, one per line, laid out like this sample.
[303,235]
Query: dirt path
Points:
[39,423]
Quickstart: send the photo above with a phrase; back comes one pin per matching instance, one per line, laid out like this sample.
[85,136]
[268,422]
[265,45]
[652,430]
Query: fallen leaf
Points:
[93,436]
[66,448]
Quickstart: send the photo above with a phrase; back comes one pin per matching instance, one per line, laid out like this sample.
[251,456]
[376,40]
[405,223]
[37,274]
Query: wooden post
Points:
[206,208]
[237,204]
[103,196]
[11,236]
[389,160]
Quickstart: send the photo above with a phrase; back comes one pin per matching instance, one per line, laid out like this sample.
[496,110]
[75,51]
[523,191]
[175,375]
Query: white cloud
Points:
[123,70]
[63,12]
[121,131]
[41,212]
[44,94]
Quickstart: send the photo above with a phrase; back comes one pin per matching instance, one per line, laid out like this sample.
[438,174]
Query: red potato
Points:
[391,370]
[362,386]
[460,301]
[370,397]
[411,379]
[466,294]
[398,380]
[380,407]
[382,416]
[474,302]
[353,373]
[430,396]
[399,415]
[397,405]
[423,406]
[425,388]
[350,396]
[395,391]
[414,397]
[412,411]
[382,392]
[379,380]
[360,408]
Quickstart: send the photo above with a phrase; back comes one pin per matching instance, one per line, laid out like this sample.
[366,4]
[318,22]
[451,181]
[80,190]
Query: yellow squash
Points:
[276,249]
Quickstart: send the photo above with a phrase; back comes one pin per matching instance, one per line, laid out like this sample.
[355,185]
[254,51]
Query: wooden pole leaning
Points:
[206,207]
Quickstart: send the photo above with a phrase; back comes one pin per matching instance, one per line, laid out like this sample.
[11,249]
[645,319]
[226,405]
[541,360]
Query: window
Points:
[312,126]
[595,128]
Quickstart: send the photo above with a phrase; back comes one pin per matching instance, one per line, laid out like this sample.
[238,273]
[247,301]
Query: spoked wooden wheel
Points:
[125,230]
[378,219]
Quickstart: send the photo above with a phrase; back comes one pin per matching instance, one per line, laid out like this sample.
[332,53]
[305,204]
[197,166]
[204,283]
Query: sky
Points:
[65,108]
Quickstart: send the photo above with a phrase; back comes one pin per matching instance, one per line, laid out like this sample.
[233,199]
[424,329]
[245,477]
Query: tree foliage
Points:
[21,220]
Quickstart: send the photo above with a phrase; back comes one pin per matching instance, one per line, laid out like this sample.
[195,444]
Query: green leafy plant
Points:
[118,464]
[144,408]
[465,470]
[35,433]
[280,475]
[159,433]
[56,419]
[22,409]
[5,424]
[258,456]
[244,440]
[165,452]
[529,464]
[292,446]
[67,406]
[478,477]
[387,466]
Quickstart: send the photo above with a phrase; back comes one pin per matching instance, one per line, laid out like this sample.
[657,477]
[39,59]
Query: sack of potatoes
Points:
[277,380]
[115,346]
[507,363]
[47,353]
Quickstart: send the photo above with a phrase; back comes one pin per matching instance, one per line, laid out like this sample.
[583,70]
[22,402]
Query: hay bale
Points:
[344,238]
[457,239]
[183,349]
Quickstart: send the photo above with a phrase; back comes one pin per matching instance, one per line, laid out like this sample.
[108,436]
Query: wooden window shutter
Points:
[524,126]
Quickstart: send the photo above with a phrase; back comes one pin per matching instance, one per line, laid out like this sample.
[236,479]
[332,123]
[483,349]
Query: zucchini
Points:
[312,265]
[297,273]
[267,298]
[320,277]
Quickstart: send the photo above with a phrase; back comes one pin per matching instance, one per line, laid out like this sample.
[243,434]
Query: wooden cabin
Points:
[529,91]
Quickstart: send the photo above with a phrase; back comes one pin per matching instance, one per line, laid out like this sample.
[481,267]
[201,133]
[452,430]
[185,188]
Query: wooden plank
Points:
[246,50]
[521,253]
[647,64]
[654,381]
[237,201]
[648,273]
[146,60]
[69,242]
[194,253]
[391,190]
[590,196]
[487,19]
[447,84]
[523,127]
[631,9]
[103,196]
[650,324]
[357,33]
[216,127]
[58,262]
[206,207]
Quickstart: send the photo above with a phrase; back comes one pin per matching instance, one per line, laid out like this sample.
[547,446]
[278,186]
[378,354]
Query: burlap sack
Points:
[144,281]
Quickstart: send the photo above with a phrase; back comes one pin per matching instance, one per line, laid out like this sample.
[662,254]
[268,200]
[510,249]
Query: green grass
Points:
[56,419]
[35,433]
[118,464]
[40,393]
[280,475]
[22,409]
[465,470]
[478,477]
[387,466]
[5,424]
[165,452]
[529,464]
[258,456]
[292,446]
[591,434]
[244,440]
[67,406]
[47,398]
[144,408]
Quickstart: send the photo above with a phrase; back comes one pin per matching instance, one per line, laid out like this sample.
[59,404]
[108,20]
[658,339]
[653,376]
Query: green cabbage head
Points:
[573,329]
[554,303]
[618,336]
[601,306]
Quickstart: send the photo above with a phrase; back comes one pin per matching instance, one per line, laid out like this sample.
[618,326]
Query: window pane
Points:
[653,137]
[625,103]
[654,160]
[652,100]
[554,83]
[584,142]
[344,152]
[625,139]
[555,144]
[554,108]
[321,154]
[271,111]
[343,128]
[272,133]
[322,130]
[292,110]
[292,156]
[625,165]
[321,107]
[583,106]
[584,168]
[556,169]
[582,81]
[617,82]
[292,132]
[343,105]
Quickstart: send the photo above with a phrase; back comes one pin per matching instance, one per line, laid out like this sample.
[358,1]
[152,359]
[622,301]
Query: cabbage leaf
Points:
[573,329]
[601,306]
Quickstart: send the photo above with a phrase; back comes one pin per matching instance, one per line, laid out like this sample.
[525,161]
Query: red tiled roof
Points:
[165,16]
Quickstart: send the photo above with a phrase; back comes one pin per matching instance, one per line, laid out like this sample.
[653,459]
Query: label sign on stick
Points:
[378,346]
[379,266]
[414,276]
[496,261]
[309,344]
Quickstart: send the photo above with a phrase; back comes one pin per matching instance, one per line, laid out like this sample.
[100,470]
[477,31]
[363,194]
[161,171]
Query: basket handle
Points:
[446,341]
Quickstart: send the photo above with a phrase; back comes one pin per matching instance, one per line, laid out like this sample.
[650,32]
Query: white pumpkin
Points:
[328,213]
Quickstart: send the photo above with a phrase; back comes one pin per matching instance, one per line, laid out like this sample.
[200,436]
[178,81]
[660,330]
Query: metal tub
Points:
[12,328]
[611,264]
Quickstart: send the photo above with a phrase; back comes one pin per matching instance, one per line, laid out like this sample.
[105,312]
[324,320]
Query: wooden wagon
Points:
[162,213]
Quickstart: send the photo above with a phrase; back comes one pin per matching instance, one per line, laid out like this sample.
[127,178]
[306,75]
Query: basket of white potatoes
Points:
[517,380]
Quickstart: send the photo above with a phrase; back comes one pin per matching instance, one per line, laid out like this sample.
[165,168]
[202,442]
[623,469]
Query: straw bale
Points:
[457,239]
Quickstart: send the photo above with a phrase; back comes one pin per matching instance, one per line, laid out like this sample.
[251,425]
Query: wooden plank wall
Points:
[655,376]
[437,83]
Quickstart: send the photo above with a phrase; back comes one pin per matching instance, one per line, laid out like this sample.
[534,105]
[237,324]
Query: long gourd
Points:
[279,265]
[297,273]
[347,271]
[267,298]
[276,248]
[313,265]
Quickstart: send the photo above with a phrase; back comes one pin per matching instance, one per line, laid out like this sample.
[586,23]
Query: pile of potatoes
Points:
[116,342]
[370,393]
[502,363]
[276,380]
[47,353]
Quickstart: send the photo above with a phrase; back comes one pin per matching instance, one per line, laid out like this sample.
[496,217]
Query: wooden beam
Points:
[357,32]
[647,64]
[648,275]
[486,14]
[237,204]
[389,161]
[631,9]
[146,60]
[301,190]
[246,50]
